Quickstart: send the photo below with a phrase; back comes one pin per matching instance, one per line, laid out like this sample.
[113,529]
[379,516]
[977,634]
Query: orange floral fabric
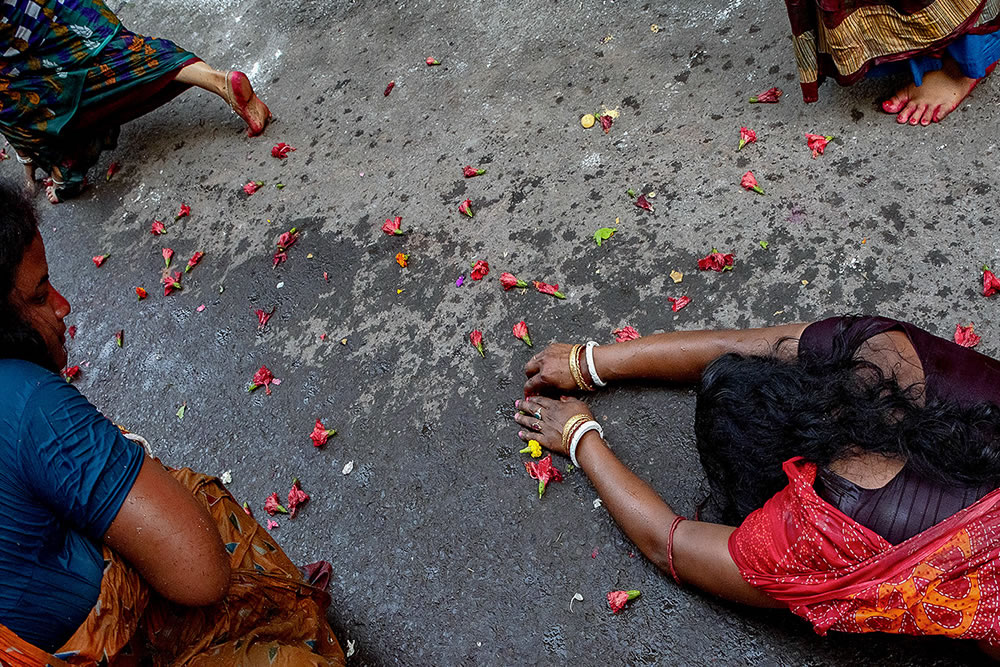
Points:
[839,575]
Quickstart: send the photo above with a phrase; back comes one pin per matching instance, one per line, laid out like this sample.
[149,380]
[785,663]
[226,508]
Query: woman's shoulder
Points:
[19,377]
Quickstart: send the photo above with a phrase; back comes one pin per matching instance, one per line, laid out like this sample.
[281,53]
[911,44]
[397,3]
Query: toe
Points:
[907,111]
[942,112]
[918,114]
[894,103]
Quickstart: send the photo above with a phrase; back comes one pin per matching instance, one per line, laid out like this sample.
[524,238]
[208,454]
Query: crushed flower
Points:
[171,283]
[388,89]
[392,226]
[991,284]
[272,506]
[617,599]
[141,293]
[544,472]
[465,208]
[750,183]
[262,378]
[296,498]
[158,228]
[470,171]
[479,270]
[263,316]
[545,288]
[769,96]
[509,281]
[534,448]
[747,136]
[521,332]
[965,336]
[606,122]
[321,434]
[817,143]
[643,203]
[281,150]
[402,259]
[99,259]
[624,334]
[71,373]
[431,62]
[476,338]
[252,187]
[113,169]
[183,212]
[193,262]
[716,261]
[71,331]
[272,524]
[677,304]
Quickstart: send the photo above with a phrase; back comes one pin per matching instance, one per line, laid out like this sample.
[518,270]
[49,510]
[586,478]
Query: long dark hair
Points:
[18,227]
[755,412]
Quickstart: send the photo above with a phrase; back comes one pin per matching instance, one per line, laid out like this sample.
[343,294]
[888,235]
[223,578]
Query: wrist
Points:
[589,448]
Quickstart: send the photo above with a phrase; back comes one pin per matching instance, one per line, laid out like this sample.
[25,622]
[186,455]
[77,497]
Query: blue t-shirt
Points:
[65,471]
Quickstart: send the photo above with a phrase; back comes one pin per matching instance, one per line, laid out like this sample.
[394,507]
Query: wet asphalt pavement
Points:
[443,553]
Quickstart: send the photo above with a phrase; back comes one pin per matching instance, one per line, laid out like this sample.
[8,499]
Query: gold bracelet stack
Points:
[574,369]
[571,425]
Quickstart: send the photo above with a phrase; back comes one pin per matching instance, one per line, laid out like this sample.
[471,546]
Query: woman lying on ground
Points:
[948,46]
[106,552]
[71,75]
[858,457]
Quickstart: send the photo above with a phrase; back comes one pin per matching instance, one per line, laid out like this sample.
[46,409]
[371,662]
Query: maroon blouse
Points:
[909,503]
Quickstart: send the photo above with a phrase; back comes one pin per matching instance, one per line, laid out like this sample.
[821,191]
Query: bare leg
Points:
[234,88]
[30,184]
[50,190]
[940,94]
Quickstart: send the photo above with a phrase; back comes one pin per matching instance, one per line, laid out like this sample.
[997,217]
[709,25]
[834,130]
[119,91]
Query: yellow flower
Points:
[534,448]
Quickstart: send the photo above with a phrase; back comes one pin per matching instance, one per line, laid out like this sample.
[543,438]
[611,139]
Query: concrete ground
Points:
[443,553]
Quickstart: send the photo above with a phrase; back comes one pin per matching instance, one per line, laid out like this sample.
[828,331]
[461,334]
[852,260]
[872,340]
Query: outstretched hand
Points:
[548,371]
[543,419]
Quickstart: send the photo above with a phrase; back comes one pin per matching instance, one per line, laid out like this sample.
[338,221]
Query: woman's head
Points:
[756,412]
[31,310]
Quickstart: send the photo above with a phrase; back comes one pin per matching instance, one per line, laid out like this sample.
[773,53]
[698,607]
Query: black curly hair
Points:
[755,412]
[18,228]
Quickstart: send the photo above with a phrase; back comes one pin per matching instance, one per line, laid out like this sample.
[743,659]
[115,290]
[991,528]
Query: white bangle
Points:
[583,429]
[590,365]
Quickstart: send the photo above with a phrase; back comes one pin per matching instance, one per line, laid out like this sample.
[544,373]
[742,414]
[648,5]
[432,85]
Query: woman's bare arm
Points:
[171,540]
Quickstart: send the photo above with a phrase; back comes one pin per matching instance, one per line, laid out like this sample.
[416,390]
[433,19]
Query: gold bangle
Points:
[569,427]
[586,385]
[574,367]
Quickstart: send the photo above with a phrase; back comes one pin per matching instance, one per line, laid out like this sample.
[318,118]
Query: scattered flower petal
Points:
[246,508]
[71,373]
[476,337]
[544,472]
[576,598]
[606,121]
[168,254]
[392,226]
[750,183]
[388,89]
[272,524]
[348,468]
[402,259]
[747,136]
[460,280]
[113,169]
[226,477]
[603,234]
[521,332]
[991,284]
[252,187]
[545,288]
[431,62]
[99,259]
[120,337]
[193,262]
[470,171]
[200,309]
[479,270]
[769,96]
[509,281]
[676,276]
[263,316]
[281,150]
[965,336]
[171,283]
[184,211]
[643,203]
[617,599]
[71,331]
[263,378]
[817,143]
[624,334]
[716,261]
[296,498]
[181,410]
[465,208]
[157,228]
[141,293]
[272,506]
[677,304]
[321,434]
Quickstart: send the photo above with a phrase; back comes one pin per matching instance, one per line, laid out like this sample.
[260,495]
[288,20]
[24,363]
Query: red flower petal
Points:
[99,259]
[716,261]
[643,203]
[392,226]
[141,293]
[817,143]
[465,208]
[747,136]
[184,212]
[296,498]
[677,304]
[113,169]
[617,599]
[431,62]
[252,187]
[272,506]
[388,89]
[606,122]
[965,337]
[769,96]
[991,285]
[521,332]
[625,334]
[72,331]
[545,288]
[158,228]
[750,183]
[320,433]
[263,316]
[263,378]
[71,373]
[281,150]
[470,171]
[476,338]
[193,262]
[509,281]
[167,253]
[171,283]
[480,269]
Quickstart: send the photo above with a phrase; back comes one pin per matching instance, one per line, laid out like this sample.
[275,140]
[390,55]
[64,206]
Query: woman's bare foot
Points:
[246,104]
[30,184]
[940,94]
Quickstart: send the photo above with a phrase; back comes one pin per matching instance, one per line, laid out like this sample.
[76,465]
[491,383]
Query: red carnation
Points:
[171,283]
[465,208]
[747,136]
[113,169]
[183,213]
[272,506]
[617,599]
[769,96]
[480,269]
[509,281]
[750,183]
[716,261]
[643,203]
[296,498]
[431,62]
[193,262]
[544,472]
[321,434]
[625,334]
[521,332]
[677,304]
[252,187]
[392,226]
[991,285]
[817,143]
[262,378]
[606,122]
[99,259]
[545,288]
[281,150]
[158,228]
[263,316]
[965,337]
[141,293]
[388,89]
[476,337]
[71,373]
[168,254]
[469,171]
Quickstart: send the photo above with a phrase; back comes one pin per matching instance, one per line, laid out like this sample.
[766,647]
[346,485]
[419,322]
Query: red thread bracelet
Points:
[670,548]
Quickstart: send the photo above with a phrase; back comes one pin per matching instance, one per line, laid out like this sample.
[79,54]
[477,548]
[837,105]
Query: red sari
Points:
[839,575]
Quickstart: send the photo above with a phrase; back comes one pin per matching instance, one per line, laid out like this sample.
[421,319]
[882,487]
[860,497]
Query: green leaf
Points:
[603,234]
[181,411]
[763,244]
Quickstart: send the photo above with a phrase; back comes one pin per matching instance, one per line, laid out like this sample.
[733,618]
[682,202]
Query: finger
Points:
[528,421]
[533,386]
[529,406]
[533,366]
